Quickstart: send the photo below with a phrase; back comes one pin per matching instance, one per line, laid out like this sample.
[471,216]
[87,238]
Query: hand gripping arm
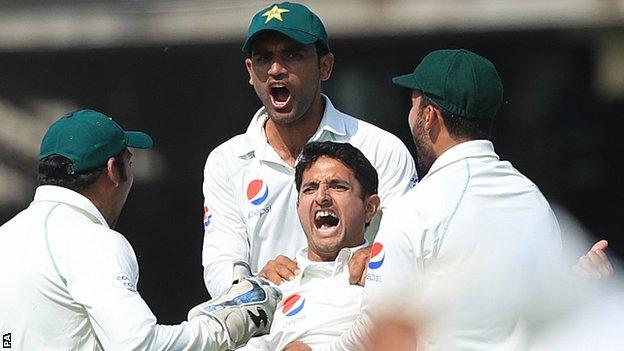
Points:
[247,308]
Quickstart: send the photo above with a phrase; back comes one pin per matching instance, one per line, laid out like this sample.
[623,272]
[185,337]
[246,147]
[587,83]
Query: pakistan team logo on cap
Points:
[274,12]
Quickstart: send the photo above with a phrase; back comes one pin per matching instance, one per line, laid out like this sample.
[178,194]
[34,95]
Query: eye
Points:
[294,55]
[340,187]
[309,189]
[260,58]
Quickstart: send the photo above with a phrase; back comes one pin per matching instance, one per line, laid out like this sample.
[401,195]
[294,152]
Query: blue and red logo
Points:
[293,304]
[378,255]
[207,218]
[257,191]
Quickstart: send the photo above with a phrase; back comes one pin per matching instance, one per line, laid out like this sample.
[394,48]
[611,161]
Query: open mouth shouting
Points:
[280,96]
[326,220]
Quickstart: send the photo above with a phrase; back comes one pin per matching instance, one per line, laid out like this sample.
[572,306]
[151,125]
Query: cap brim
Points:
[139,140]
[296,35]
[407,81]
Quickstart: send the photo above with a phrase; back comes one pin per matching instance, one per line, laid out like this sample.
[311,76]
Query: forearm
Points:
[218,276]
[201,333]
[357,338]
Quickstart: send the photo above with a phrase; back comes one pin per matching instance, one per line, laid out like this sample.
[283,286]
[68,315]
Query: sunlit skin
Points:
[329,186]
[430,135]
[110,192]
[123,186]
[287,78]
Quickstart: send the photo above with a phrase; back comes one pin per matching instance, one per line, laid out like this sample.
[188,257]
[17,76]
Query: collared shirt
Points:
[69,283]
[468,247]
[250,196]
[318,305]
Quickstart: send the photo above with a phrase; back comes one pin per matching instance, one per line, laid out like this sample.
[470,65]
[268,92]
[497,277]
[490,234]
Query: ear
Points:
[113,171]
[372,206]
[432,117]
[326,64]
[249,67]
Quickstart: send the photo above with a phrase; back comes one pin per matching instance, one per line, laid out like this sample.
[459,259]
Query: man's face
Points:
[332,210]
[122,191]
[425,154]
[286,75]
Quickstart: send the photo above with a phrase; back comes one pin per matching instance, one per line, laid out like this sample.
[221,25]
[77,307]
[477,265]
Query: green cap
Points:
[88,139]
[293,20]
[459,81]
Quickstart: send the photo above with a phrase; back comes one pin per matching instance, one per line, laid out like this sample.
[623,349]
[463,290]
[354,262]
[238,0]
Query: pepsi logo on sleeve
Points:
[293,304]
[378,255]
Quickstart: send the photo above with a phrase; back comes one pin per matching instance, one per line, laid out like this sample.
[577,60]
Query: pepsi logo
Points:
[293,304]
[257,191]
[378,255]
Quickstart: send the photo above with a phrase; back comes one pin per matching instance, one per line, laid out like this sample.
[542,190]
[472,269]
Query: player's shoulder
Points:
[229,154]
[414,200]
[98,238]
[233,147]
[367,133]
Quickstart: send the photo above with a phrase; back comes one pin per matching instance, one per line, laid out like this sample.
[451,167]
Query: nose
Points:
[277,70]
[323,197]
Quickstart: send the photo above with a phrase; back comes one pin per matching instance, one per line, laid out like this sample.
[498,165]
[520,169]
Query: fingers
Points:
[358,266]
[600,261]
[279,270]
[584,268]
[595,264]
[601,245]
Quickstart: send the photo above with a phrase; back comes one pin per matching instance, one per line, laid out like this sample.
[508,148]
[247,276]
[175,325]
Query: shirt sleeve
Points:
[397,174]
[396,170]
[225,233]
[102,277]
[389,274]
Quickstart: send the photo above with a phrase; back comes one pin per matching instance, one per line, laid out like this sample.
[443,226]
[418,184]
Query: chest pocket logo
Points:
[293,304]
[257,192]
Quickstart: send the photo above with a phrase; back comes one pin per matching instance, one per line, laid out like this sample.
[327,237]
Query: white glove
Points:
[247,308]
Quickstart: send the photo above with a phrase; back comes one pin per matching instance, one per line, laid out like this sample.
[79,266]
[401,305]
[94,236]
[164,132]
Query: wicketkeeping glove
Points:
[247,308]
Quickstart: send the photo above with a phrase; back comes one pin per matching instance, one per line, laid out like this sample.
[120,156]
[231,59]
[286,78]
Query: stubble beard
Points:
[425,156]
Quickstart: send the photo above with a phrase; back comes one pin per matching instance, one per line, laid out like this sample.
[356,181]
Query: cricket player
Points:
[69,280]
[249,193]
[474,232]
[337,199]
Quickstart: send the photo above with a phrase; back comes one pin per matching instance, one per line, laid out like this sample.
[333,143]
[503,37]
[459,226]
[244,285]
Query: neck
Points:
[331,256]
[288,139]
[102,203]
[445,141]
[315,257]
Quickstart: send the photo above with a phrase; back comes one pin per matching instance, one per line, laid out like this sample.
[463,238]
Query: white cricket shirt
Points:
[318,305]
[467,247]
[250,196]
[69,283]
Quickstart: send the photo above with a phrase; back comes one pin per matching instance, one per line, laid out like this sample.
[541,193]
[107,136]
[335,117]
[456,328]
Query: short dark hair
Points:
[56,170]
[321,50]
[462,127]
[346,153]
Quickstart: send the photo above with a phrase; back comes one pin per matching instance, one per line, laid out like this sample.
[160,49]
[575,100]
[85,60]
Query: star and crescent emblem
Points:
[274,13]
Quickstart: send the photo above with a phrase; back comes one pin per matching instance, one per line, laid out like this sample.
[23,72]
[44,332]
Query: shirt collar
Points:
[473,148]
[332,122]
[78,202]
[331,268]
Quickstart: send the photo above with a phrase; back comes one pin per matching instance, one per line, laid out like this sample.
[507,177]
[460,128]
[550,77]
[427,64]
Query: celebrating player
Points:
[69,281]
[249,192]
[474,235]
[337,188]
